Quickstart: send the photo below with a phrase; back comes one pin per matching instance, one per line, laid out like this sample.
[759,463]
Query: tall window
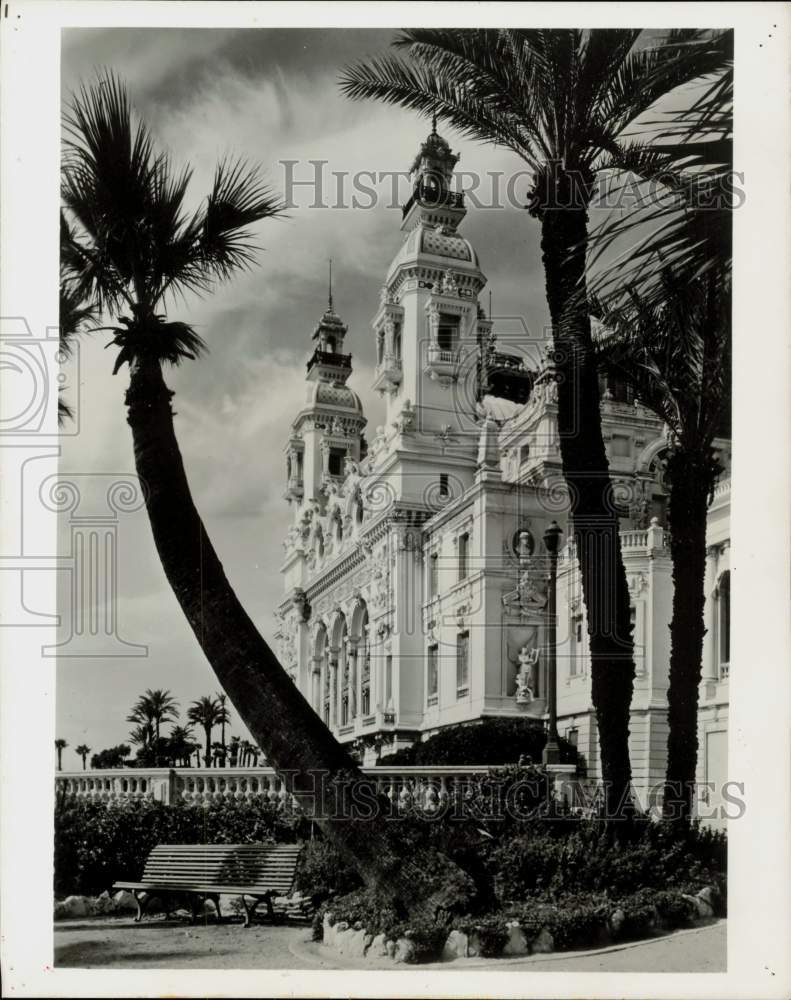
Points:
[432,675]
[724,623]
[576,653]
[337,456]
[444,486]
[462,663]
[365,677]
[464,544]
[388,680]
[326,694]
[433,575]
[447,335]
[397,341]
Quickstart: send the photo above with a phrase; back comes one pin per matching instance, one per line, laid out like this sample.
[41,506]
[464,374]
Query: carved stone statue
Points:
[525,679]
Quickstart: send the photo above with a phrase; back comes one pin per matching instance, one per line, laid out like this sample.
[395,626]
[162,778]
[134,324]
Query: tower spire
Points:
[330,286]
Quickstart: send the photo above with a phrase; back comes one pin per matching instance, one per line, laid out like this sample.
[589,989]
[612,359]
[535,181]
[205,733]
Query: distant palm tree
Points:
[182,745]
[142,735]
[244,753]
[566,102]
[60,746]
[234,748]
[82,751]
[152,709]
[225,718]
[206,712]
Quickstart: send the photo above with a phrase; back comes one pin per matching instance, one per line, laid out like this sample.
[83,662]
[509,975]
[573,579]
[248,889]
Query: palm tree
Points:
[141,736]
[676,354]
[225,718]
[155,707]
[82,751]
[244,753]
[135,245]
[60,746]
[669,335]
[181,744]
[74,315]
[562,100]
[233,750]
[205,712]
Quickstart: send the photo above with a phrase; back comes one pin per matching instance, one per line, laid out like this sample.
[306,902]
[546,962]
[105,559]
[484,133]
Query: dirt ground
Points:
[119,943]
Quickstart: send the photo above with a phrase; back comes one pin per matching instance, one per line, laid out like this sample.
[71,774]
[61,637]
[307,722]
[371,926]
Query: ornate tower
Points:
[326,434]
[428,325]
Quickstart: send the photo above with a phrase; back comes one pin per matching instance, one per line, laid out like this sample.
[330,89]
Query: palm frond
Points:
[129,238]
[420,88]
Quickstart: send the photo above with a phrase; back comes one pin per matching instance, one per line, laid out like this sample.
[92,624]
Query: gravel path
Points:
[119,943]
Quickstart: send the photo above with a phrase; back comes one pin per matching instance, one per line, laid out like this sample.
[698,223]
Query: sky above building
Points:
[271,97]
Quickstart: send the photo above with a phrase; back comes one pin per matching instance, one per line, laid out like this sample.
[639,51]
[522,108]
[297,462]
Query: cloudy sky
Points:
[270,96]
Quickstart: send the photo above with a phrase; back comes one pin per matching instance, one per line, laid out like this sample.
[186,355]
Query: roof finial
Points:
[330,288]
[434,123]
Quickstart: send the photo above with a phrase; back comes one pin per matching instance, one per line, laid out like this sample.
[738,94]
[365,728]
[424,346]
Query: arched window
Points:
[724,624]
[365,673]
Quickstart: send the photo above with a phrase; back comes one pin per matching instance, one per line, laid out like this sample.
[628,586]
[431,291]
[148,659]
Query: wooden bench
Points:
[200,872]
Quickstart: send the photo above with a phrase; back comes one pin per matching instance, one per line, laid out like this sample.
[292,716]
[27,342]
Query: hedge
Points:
[97,844]
[491,741]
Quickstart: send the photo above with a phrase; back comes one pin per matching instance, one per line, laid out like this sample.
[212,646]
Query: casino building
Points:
[415,574]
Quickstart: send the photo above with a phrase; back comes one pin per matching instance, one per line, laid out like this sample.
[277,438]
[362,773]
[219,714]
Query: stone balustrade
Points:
[425,787]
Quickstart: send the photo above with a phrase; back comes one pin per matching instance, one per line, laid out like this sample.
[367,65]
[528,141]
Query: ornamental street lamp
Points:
[551,754]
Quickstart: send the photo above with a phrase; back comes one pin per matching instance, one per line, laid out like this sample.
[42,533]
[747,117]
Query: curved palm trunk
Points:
[315,768]
[587,474]
[691,481]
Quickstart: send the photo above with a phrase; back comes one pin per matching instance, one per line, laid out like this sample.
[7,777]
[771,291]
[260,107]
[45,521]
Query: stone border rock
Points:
[357,942]
[123,902]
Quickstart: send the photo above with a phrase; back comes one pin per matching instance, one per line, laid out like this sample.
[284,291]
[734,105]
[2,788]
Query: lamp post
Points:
[551,754]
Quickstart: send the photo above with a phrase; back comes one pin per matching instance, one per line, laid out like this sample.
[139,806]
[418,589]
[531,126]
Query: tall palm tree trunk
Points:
[308,758]
[207,751]
[691,480]
[587,475]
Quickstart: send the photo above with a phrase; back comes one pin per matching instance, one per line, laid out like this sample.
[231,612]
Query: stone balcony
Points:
[388,373]
[295,489]
[441,364]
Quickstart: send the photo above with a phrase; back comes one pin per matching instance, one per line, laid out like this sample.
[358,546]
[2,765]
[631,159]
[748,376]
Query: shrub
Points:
[490,741]
[323,871]
[492,934]
[573,856]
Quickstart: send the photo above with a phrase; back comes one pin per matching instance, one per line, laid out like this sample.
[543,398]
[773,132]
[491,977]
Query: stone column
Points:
[710,672]
[353,649]
[315,681]
[333,667]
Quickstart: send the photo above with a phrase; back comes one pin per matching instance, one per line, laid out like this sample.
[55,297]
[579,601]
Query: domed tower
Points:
[326,434]
[427,325]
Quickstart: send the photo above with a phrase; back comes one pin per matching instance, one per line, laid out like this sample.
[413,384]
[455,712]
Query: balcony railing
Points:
[329,358]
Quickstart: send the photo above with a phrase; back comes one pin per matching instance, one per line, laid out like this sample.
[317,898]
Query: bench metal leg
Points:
[249,911]
[142,898]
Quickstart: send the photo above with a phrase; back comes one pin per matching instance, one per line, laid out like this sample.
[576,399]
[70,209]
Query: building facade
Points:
[415,575]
